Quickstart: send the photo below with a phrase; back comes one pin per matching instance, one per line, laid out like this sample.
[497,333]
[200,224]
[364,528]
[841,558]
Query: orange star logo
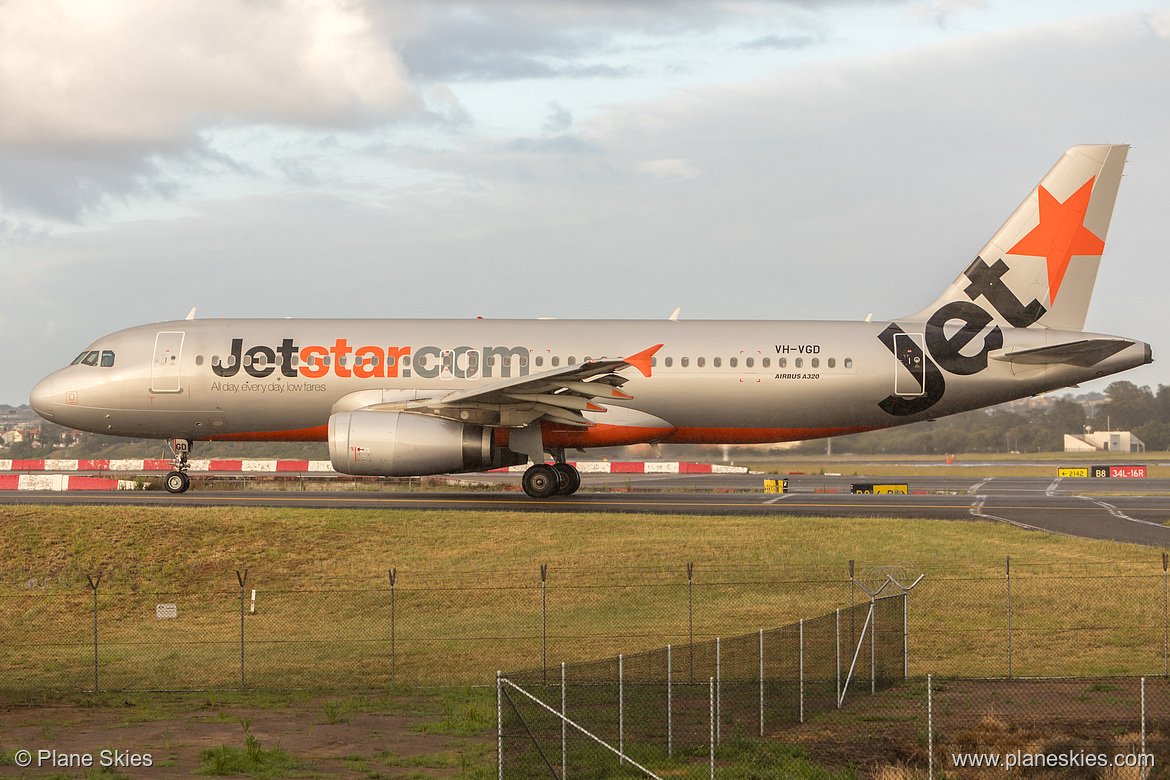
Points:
[1060,234]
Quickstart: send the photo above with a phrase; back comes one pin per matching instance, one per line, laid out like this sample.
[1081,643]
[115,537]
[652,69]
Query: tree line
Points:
[1126,407]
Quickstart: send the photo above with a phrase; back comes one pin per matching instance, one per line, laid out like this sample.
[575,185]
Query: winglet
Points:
[641,361]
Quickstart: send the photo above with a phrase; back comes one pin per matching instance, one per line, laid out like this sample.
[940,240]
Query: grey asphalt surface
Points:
[1130,511]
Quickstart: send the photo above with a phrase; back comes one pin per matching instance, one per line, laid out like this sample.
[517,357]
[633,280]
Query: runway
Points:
[1133,511]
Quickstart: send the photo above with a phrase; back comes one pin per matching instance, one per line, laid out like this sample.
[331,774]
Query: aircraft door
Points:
[166,366]
[910,371]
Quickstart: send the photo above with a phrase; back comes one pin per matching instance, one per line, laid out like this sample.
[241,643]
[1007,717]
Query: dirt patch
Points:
[357,736]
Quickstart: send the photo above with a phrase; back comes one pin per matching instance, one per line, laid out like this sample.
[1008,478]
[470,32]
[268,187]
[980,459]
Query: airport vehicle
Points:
[415,397]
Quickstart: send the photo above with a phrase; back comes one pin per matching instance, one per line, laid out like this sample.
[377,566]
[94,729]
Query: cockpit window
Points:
[107,358]
[91,359]
[79,358]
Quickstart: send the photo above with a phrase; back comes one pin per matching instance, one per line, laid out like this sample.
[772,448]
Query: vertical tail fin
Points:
[1040,267]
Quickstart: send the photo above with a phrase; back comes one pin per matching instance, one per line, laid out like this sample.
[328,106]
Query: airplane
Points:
[417,397]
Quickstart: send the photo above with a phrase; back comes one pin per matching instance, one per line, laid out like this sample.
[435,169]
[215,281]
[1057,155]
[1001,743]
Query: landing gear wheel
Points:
[176,482]
[570,479]
[541,481]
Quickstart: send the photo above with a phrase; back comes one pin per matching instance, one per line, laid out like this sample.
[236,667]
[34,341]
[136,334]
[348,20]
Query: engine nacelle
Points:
[404,444]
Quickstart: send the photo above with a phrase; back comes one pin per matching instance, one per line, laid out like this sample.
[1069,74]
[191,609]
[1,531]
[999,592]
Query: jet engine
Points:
[403,444]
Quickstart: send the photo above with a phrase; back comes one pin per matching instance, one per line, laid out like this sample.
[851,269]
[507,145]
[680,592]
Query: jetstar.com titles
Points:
[371,361]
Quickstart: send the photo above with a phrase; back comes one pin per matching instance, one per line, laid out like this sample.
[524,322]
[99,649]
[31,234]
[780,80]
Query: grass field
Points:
[468,596]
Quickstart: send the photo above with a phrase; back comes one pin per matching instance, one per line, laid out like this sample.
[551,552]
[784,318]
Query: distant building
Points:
[1104,441]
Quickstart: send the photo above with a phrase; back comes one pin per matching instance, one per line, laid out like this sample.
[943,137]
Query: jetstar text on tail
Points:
[370,361]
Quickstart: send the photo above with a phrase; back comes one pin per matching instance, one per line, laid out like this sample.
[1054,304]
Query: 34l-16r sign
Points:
[1120,472]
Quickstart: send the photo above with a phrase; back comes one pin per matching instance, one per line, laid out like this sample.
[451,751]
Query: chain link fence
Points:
[671,706]
[120,630]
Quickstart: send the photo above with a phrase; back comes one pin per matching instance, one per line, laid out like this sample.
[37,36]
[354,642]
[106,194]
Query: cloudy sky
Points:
[577,158]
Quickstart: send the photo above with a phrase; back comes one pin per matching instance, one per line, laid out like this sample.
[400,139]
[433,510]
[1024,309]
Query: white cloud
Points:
[674,169]
[130,72]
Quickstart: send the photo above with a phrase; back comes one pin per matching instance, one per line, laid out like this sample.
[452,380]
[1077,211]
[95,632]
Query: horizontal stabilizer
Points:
[1085,353]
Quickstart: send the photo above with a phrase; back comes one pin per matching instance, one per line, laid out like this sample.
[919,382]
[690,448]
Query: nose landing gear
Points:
[177,481]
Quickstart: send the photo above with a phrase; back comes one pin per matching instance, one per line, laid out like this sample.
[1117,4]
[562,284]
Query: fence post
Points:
[499,725]
[906,635]
[691,616]
[1165,617]
[930,722]
[873,647]
[543,624]
[802,670]
[93,585]
[838,658]
[669,704]
[852,605]
[1143,728]
[711,704]
[621,711]
[393,657]
[1009,615]
[761,682]
[242,579]
[564,712]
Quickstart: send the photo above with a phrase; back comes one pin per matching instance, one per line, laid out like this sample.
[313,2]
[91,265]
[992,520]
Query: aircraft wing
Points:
[559,395]
[1085,353]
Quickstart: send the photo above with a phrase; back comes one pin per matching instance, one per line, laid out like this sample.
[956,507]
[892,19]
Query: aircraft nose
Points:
[41,398]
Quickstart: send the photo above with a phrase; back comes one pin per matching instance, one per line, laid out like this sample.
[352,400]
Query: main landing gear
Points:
[176,480]
[545,480]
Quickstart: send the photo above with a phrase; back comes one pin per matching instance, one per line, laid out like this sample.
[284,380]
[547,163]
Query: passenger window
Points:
[751,362]
[832,362]
[198,359]
[523,361]
[816,362]
[800,362]
[91,359]
[572,360]
[556,361]
[247,360]
[781,362]
[390,360]
[734,362]
[653,362]
[108,359]
[717,362]
[701,362]
[685,362]
[539,361]
[848,362]
[767,362]
[405,360]
[79,358]
[296,360]
[669,362]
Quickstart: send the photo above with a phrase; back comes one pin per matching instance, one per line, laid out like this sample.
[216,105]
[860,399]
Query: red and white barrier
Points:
[301,466]
[61,482]
[138,465]
[645,467]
